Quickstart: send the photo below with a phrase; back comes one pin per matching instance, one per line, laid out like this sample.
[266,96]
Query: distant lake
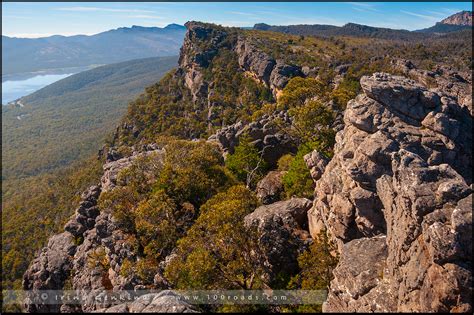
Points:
[14,89]
[18,85]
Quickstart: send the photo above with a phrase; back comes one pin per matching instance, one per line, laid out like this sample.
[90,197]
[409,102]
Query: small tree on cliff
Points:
[247,162]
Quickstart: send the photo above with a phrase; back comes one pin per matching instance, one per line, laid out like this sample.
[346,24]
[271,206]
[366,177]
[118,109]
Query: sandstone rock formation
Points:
[266,135]
[460,18]
[457,85]
[397,189]
[283,234]
[274,73]
[193,57]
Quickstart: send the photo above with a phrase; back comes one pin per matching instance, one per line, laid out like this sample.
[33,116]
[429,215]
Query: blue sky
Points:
[28,19]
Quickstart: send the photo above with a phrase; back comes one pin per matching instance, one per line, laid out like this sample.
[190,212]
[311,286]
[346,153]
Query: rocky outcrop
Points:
[274,73]
[267,137]
[84,218]
[116,163]
[49,271]
[460,18]
[396,188]
[270,187]
[200,46]
[316,163]
[283,234]
[89,255]
[444,80]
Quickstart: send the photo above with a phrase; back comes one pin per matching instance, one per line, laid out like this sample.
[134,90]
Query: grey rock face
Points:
[316,162]
[264,133]
[445,81]
[282,229]
[49,270]
[274,73]
[193,57]
[270,187]
[397,186]
[360,274]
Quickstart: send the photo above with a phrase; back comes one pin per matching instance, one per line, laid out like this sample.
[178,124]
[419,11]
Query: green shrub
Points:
[246,163]
[312,122]
[316,266]
[218,252]
[284,162]
[297,181]
[298,90]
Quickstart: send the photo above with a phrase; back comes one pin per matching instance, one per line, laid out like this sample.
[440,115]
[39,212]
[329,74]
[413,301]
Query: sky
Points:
[29,19]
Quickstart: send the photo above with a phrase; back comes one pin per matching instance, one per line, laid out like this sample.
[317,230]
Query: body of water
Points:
[14,89]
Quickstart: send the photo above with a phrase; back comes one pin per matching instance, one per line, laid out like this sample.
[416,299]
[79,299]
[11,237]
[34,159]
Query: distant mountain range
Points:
[456,22]
[20,55]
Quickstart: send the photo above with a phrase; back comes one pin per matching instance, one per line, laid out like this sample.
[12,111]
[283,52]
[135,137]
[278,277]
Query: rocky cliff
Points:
[397,200]
[460,18]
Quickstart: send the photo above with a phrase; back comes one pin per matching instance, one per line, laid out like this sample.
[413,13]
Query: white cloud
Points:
[97,9]
[242,13]
[363,7]
[423,16]
[144,16]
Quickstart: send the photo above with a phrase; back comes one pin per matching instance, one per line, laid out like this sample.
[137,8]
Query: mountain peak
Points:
[461,18]
[174,26]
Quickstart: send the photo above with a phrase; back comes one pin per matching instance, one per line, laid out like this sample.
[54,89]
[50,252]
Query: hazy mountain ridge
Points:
[349,29]
[69,119]
[28,55]
[456,22]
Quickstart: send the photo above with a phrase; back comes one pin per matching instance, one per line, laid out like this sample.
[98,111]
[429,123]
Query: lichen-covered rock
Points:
[282,229]
[398,185]
[267,138]
[270,187]
[359,283]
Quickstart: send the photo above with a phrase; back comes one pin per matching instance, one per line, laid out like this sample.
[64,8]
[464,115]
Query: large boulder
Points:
[282,230]
[270,187]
